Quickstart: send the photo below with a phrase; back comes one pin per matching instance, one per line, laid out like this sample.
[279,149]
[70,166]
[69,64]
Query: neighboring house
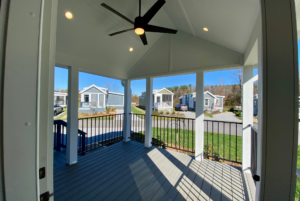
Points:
[211,102]
[162,99]
[96,99]
[60,99]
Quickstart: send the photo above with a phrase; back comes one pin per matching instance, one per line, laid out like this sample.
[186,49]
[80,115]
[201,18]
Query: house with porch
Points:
[60,98]
[96,99]
[211,102]
[127,156]
[162,99]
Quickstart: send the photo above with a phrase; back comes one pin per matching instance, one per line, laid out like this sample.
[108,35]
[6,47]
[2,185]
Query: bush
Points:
[167,112]
[173,112]
[238,114]
[216,112]
[161,112]
[231,109]
[113,109]
[100,113]
[84,114]
[155,113]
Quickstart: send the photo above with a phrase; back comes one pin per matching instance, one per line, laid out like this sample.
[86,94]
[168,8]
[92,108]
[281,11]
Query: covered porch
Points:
[129,171]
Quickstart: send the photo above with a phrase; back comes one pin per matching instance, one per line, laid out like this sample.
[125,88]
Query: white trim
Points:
[158,90]
[207,92]
[114,105]
[207,102]
[115,93]
[87,88]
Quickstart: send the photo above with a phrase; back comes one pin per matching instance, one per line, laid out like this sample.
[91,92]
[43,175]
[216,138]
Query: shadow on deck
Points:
[128,171]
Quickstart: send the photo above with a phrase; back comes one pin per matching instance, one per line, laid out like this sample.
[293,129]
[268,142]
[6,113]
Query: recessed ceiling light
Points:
[131,49]
[69,15]
[205,29]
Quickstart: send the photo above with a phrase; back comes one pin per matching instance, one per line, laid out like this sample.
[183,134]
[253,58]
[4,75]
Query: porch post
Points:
[149,106]
[127,110]
[247,115]
[72,128]
[65,100]
[199,125]
[279,84]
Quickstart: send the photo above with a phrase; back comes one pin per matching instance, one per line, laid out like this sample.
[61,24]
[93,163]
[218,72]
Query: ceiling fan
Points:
[141,23]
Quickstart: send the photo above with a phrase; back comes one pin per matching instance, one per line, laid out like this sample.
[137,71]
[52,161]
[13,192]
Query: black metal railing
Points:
[60,135]
[173,132]
[223,140]
[137,127]
[100,131]
[254,150]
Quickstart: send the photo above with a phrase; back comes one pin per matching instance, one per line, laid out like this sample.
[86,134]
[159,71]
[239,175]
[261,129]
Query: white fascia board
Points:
[87,88]
[116,93]
[60,94]
[207,92]
[158,90]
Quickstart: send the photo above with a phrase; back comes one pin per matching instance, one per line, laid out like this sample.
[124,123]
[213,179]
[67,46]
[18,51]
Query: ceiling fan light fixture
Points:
[205,29]
[130,49]
[139,31]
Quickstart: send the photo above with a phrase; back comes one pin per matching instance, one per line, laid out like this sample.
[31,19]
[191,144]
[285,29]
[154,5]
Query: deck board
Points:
[129,171]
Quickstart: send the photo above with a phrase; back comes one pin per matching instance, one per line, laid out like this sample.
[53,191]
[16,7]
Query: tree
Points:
[111,87]
[237,77]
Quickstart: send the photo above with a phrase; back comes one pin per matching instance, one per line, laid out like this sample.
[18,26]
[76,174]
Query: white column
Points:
[65,100]
[149,104]
[247,115]
[278,130]
[199,125]
[72,128]
[127,110]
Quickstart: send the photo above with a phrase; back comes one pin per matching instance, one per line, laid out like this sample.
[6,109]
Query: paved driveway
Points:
[216,117]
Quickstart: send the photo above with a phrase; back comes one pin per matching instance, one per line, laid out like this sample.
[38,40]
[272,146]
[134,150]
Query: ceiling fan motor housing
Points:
[138,23]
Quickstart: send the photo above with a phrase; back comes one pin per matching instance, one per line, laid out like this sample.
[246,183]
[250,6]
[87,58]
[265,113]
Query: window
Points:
[166,98]
[86,98]
[206,102]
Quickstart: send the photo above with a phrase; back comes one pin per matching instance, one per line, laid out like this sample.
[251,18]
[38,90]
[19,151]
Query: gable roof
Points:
[99,88]
[206,92]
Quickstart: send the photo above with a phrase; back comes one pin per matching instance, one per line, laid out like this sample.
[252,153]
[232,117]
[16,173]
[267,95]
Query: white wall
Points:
[183,53]
[20,134]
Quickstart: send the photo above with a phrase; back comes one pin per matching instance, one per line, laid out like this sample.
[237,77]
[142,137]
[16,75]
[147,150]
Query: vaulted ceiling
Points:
[84,40]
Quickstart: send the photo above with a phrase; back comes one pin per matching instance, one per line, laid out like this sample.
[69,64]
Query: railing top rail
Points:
[111,115]
[255,129]
[232,122]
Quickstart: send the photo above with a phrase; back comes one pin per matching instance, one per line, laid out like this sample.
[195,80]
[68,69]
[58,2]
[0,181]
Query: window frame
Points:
[84,98]
[207,101]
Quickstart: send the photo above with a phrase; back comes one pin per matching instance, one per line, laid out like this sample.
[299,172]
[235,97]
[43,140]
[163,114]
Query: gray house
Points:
[96,99]
[211,102]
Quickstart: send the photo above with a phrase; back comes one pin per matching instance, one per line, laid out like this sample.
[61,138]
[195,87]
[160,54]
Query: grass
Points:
[136,111]
[185,139]
[209,115]
[63,116]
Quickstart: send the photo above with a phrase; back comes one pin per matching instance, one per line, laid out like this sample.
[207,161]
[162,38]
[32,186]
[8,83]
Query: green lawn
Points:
[185,139]
[136,111]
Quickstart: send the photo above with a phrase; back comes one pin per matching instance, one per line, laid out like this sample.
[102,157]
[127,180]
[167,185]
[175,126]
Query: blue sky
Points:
[138,86]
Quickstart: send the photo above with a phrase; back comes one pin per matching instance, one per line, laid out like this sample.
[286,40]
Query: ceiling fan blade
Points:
[126,30]
[144,38]
[117,13]
[152,28]
[153,10]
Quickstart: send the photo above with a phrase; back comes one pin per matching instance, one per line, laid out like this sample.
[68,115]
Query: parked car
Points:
[57,109]
[181,107]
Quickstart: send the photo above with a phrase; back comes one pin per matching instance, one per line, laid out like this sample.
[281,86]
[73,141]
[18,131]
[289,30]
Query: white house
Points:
[162,99]
[96,99]
[60,98]
[211,102]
